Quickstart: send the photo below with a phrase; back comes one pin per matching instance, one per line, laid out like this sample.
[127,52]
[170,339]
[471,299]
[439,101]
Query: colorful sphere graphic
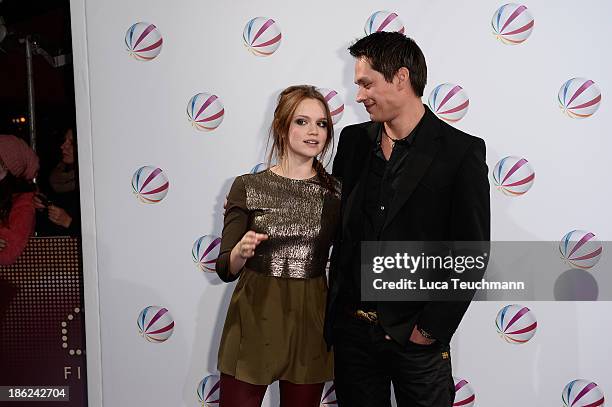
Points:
[208,391]
[579,98]
[335,103]
[205,252]
[262,36]
[449,102]
[150,184]
[155,324]
[143,41]
[512,23]
[205,111]
[383,21]
[582,393]
[329,395]
[259,168]
[581,249]
[513,176]
[464,394]
[516,324]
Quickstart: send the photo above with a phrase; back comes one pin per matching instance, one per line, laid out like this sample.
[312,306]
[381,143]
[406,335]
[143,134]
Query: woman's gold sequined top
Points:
[299,217]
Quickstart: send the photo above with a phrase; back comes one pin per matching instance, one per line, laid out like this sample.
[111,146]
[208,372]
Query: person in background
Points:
[18,168]
[278,228]
[62,216]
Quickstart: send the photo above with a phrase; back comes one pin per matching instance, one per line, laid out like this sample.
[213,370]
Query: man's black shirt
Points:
[380,186]
[381,183]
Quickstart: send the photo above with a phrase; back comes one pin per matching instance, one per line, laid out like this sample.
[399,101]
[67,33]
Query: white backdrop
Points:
[132,113]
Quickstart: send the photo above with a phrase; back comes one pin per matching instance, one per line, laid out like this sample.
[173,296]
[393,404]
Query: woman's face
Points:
[68,148]
[308,130]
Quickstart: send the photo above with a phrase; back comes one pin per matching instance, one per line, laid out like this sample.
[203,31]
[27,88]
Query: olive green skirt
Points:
[274,331]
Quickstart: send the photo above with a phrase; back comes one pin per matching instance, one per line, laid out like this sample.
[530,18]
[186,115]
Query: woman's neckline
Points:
[288,178]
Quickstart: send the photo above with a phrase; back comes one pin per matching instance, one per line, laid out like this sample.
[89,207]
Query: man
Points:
[406,176]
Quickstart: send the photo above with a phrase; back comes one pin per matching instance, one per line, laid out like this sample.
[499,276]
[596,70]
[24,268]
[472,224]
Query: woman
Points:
[62,204]
[277,232]
[18,167]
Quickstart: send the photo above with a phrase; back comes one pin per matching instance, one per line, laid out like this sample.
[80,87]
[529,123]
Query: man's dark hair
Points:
[387,52]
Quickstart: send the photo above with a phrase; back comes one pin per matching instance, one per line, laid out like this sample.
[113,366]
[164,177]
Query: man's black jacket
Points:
[442,195]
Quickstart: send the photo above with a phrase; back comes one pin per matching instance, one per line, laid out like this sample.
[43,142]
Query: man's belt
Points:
[367,316]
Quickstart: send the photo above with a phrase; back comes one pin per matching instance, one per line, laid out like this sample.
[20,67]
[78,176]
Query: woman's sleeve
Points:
[235,225]
[19,229]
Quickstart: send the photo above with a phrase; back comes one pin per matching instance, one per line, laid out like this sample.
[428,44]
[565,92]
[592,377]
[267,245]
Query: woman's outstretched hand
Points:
[249,242]
[245,249]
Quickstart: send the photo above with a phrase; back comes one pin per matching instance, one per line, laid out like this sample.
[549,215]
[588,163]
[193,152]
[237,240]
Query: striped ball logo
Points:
[329,395]
[383,21]
[516,324]
[155,324]
[581,249]
[334,102]
[582,393]
[208,391]
[150,184]
[579,98]
[262,36]
[512,23]
[464,394]
[205,252]
[205,111]
[449,102]
[513,176]
[143,41]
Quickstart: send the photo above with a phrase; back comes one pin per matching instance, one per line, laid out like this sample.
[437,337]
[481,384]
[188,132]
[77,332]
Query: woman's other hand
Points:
[59,216]
[37,202]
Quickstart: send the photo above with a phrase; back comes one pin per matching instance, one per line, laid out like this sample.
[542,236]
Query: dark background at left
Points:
[46,282]
[48,23]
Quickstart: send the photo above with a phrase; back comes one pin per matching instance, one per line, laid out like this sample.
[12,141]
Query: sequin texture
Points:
[300,218]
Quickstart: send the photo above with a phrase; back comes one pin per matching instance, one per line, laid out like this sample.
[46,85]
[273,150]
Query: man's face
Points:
[379,97]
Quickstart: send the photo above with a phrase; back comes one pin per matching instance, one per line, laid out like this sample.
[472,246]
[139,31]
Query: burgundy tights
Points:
[236,393]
